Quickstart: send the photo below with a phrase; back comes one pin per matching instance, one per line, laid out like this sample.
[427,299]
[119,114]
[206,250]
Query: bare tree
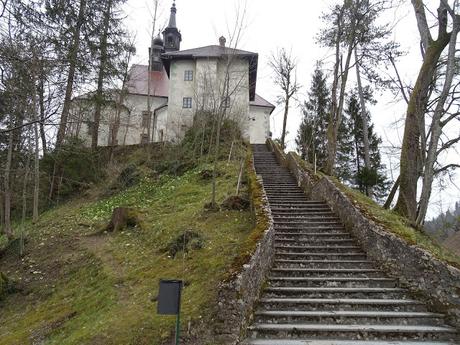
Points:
[73,61]
[413,145]
[284,67]
[439,120]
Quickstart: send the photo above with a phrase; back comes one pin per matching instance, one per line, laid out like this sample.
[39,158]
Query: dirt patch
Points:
[39,336]
[185,242]
[235,203]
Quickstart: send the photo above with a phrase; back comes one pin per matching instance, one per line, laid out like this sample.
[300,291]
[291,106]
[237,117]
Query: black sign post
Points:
[169,298]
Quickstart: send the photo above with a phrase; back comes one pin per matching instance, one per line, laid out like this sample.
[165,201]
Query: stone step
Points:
[271,172]
[306,230]
[302,203]
[283,190]
[313,254]
[357,331]
[315,249]
[282,183]
[325,241]
[284,187]
[338,342]
[331,281]
[325,272]
[297,261]
[301,209]
[335,292]
[317,256]
[292,213]
[309,223]
[313,235]
[308,217]
[366,304]
[349,317]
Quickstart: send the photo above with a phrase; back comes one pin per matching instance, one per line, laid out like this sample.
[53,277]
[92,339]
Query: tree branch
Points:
[422,23]
[446,167]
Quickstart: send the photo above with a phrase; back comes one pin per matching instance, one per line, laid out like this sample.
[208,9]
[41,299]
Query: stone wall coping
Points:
[237,297]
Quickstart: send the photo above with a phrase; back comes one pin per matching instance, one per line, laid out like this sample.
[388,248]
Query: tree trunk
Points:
[330,135]
[8,229]
[436,130]
[73,55]
[286,110]
[333,126]
[392,194]
[24,197]
[367,161]
[36,175]
[216,160]
[41,101]
[101,77]
[409,172]
[240,175]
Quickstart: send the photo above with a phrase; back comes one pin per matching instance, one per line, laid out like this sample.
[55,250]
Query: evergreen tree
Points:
[108,49]
[311,136]
[359,176]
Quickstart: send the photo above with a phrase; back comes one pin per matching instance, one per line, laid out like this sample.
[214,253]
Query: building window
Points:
[146,117]
[188,75]
[187,102]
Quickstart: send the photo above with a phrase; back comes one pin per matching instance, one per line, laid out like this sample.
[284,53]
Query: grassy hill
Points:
[81,288]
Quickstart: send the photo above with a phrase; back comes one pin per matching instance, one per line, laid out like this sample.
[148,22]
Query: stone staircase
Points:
[322,288]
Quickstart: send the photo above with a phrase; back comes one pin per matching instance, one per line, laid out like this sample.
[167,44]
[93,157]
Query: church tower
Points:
[171,36]
[155,51]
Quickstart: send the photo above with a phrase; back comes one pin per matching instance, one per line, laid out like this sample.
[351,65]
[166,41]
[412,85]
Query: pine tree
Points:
[108,49]
[360,177]
[312,132]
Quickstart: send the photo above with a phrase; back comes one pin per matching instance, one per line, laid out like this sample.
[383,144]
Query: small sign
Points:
[169,297]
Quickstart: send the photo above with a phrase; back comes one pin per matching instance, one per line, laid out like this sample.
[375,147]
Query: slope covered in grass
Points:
[84,289]
[399,226]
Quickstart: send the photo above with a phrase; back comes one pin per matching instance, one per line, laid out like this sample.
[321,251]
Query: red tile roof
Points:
[138,81]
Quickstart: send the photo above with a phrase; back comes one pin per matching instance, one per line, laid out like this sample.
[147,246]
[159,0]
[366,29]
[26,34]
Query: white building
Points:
[159,101]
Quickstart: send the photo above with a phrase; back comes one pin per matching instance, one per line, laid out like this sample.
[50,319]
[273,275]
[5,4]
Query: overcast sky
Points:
[290,24]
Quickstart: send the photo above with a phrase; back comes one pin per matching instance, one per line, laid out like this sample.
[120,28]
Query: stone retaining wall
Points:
[431,279]
[237,297]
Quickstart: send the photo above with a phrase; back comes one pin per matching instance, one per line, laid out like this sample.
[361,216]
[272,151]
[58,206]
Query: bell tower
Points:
[171,35]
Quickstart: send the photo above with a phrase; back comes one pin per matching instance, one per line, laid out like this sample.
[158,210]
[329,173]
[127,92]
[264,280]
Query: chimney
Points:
[222,41]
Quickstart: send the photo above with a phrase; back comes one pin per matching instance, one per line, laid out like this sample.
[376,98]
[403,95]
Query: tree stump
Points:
[123,218]
[236,203]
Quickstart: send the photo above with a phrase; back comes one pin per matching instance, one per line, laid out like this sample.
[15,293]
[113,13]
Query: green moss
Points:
[98,289]
[261,219]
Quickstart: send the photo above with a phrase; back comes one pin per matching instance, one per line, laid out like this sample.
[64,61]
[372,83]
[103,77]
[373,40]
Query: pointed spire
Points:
[172,17]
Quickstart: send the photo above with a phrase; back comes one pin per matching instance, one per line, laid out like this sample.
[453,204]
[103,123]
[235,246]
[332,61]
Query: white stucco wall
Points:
[207,90]
[130,128]
[179,119]
[259,124]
